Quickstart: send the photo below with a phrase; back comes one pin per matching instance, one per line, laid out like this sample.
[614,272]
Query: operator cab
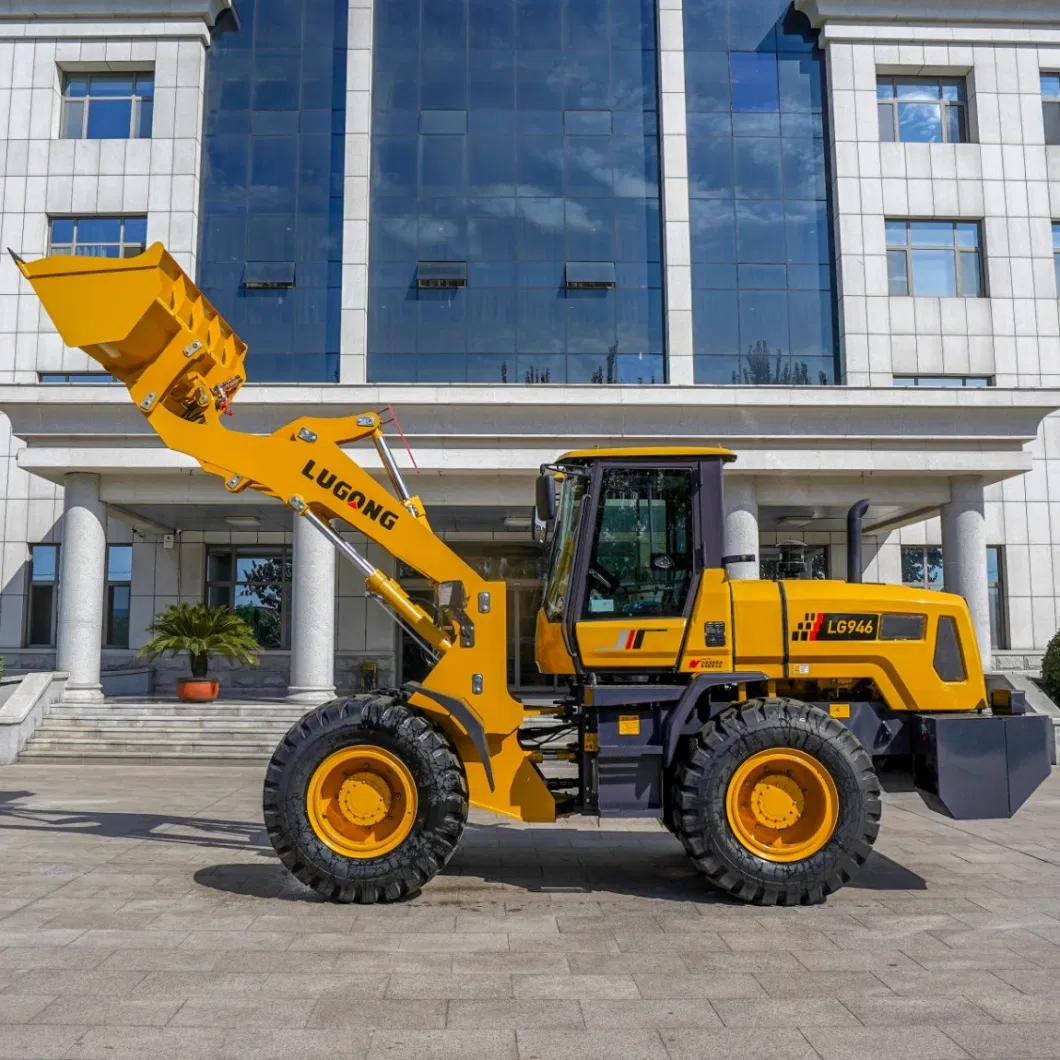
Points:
[632,533]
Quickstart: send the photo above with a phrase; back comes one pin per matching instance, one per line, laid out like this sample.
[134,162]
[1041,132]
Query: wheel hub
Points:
[365,799]
[362,801]
[777,801]
[782,805]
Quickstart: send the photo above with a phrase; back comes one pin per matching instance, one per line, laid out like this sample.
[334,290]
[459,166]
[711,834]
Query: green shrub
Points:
[1051,668]
[201,631]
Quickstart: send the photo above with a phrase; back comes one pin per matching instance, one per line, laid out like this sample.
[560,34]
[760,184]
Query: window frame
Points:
[27,621]
[113,584]
[280,553]
[1050,106]
[137,101]
[892,103]
[74,246]
[1056,248]
[925,583]
[584,611]
[999,624]
[970,382]
[910,248]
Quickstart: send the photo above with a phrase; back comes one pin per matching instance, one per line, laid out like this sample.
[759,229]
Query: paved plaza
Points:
[143,914]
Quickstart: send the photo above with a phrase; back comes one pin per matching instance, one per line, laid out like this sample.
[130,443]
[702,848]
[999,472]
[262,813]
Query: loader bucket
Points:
[143,320]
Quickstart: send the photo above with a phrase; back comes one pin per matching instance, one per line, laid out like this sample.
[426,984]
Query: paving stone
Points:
[577,987]
[25,1041]
[243,1012]
[1040,1041]
[449,986]
[649,1013]
[626,1043]
[21,1008]
[84,1010]
[65,981]
[883,1043]
[1022,1008]
[515,1014]
[722,985]
[911,1011]
[726,1044]
[821,984]
[198,984]
[339,1013]
[394,1044]
[804,1012]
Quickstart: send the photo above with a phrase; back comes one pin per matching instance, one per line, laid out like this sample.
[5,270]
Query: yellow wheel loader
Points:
[754,718]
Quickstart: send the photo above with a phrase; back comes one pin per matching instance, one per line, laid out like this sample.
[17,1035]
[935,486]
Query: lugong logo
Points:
[354,498]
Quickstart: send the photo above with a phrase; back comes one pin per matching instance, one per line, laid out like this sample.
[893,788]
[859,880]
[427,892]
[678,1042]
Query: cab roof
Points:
[648,451]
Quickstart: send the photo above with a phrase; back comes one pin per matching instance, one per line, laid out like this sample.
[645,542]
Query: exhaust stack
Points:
[854,517]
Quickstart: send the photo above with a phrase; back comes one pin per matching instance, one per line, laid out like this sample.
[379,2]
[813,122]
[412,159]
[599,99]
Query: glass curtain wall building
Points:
[762,274]
[513,139]
[273,164]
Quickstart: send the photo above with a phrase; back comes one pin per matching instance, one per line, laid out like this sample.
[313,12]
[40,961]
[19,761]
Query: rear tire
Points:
[703,806]
[385,729]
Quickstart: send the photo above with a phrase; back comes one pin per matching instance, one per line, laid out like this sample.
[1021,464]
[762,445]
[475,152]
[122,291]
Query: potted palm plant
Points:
[202,632]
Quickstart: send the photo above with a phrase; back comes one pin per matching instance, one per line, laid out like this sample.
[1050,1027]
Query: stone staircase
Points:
[162,730]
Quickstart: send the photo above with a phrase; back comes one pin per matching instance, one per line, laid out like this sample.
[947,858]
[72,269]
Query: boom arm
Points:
[183,365]
[145,322]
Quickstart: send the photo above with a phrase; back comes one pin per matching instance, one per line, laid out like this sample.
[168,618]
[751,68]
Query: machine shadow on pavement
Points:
[547,861]
[204,832]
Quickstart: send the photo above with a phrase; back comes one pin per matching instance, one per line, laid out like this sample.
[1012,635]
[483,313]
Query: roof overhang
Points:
[837,431]
[964,20]
[207,11]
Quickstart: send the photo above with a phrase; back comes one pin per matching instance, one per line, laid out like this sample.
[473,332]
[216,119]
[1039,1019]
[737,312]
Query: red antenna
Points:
[397,423]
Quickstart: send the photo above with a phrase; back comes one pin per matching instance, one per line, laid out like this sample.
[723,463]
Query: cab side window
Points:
[642,557]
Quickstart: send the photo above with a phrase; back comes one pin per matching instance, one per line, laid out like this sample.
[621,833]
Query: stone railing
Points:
[23,703]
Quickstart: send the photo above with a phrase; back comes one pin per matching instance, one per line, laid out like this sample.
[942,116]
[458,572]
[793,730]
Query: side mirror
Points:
[545,506]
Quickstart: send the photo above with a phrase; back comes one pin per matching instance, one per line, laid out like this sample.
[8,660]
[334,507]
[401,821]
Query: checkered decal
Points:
[809,627]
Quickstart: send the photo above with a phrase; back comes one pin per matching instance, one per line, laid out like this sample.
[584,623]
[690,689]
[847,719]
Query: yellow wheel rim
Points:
[782,804]
[362,801]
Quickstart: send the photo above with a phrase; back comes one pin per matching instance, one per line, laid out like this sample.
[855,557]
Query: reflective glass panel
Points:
[514,137]
[763,276]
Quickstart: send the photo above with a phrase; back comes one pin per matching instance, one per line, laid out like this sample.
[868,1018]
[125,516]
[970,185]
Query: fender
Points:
[464,716]
[677,720]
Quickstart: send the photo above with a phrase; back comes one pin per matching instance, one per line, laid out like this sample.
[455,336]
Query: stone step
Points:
[86,745]
[51,723]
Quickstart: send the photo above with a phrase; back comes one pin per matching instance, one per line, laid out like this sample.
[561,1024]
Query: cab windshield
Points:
[559,563]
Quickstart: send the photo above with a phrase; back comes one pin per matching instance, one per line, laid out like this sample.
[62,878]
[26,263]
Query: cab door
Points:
[635,579]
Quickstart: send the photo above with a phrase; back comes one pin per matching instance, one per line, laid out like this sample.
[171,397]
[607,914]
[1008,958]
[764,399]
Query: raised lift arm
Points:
[145,322]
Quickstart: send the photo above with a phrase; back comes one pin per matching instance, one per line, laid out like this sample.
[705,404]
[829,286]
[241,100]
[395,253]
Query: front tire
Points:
[777,803]
[364,800]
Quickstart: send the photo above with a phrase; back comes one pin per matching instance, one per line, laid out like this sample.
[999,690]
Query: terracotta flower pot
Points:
[197,689]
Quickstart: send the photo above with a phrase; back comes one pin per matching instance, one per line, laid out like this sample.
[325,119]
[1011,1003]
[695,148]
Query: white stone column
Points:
[82,579]
[312,616]
[741,526]
[673,137]
[964,555]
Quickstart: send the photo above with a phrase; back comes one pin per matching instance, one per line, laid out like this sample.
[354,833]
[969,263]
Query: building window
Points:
[1056,253]
[42,598]
[559,164]
[938,259]
[763,264]
[944,380]
[84,378]
[922,110]
[922,567]
[995,580]
[119,589]
[1051,107]
[255,583]
[98,237]
[108,106]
